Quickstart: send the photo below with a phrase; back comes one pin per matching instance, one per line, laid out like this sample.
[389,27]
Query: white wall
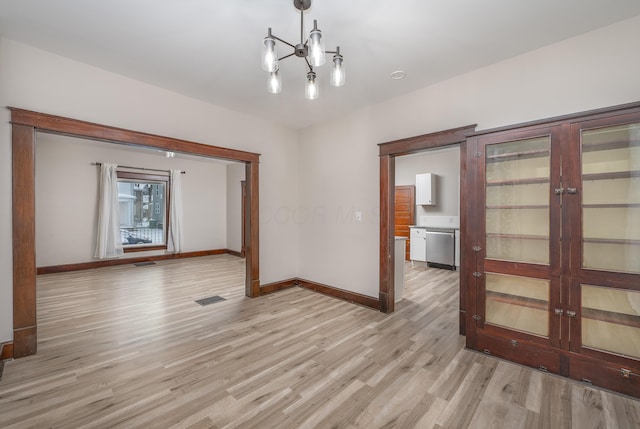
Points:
[235,175]
[445,163]
[339,159]
[37,80]
[67,197]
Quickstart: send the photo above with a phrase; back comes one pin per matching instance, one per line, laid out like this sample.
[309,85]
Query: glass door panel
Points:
[532,250]
[527,194]
[611,198]
[611,320]
[517,303]
[517,200]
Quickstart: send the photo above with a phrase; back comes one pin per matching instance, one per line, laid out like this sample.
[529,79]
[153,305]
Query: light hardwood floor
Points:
[127,347]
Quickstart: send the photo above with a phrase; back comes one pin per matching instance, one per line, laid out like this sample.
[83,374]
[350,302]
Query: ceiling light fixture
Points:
[398,74]
[312,50]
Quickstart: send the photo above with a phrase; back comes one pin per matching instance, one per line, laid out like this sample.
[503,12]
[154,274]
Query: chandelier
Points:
[312,50]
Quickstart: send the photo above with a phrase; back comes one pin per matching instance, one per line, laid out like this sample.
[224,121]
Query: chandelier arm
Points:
[283,41]
[286,56]
[308,64]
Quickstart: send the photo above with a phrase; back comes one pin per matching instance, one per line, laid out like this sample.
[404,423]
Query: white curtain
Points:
[109,241]
[175,213]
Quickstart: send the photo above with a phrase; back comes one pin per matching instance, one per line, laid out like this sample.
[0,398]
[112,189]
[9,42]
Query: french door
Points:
[556,280]
[604,310]
[519,263]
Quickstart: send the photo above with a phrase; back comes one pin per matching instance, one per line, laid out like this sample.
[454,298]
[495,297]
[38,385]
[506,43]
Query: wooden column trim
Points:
[251,234]
[24,238]
[464,238]
[387,219]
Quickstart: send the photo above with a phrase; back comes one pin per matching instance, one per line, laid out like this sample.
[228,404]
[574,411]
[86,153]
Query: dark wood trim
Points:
[126,261]
[25,341]
[345,295]
[387,229]
[243,213]
[469,237]
[75,127]
[426,141]
[269,288]
[556,120]
[234,253]
[342,294]
[388,152]
[24,239]
[24,126]
[465,239]
[6,350]
[601,371]
[251,231]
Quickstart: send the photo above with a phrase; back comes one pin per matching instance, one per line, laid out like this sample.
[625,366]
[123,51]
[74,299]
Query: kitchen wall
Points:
[445,163]
[67,197]
[37,80]
[340,158]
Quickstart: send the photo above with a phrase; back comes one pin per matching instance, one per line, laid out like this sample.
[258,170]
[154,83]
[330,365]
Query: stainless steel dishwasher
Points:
[441,248]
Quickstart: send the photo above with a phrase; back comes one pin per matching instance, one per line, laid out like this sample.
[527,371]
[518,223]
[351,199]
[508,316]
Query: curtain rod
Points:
[139,168]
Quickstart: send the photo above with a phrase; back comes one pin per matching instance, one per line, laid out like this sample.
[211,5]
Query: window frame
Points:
[130,176]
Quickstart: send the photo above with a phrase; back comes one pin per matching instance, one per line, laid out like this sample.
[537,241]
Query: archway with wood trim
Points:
[25,123]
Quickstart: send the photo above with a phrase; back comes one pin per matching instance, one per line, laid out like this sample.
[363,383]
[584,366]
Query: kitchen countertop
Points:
[434,227]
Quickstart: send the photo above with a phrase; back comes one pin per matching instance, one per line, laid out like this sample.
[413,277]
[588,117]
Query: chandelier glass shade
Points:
[311,50]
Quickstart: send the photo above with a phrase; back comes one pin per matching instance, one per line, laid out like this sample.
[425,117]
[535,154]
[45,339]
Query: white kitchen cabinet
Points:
[418,244]
[426,189]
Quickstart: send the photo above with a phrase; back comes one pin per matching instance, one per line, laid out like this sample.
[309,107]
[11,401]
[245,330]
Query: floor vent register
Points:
[210,300]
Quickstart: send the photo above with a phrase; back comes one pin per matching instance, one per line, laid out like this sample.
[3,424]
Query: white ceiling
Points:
[210,49]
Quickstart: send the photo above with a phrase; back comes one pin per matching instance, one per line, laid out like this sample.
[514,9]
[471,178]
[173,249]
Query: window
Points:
[143,201]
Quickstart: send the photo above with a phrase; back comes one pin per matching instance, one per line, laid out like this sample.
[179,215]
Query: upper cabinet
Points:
[426,189]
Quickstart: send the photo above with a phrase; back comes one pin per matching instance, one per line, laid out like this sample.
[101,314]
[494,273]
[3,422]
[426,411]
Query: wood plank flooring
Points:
[127,347]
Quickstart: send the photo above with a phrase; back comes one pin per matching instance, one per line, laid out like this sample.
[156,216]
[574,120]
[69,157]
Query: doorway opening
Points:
[388,153]
[26,125]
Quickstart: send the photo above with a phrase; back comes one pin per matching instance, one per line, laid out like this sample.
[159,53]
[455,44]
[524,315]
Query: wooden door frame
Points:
[388,153]
[243,195]
[25,123]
